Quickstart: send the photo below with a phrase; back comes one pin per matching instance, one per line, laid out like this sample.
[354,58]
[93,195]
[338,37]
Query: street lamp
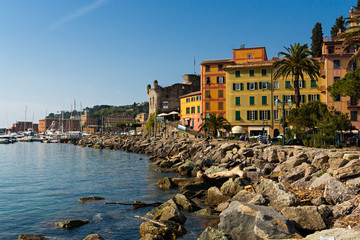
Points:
[281,104]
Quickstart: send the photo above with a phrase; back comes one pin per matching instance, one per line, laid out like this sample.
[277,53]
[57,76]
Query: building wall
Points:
[333,51]
[22,126]
[188,118]
[67,124]
[110,121]
[166,99]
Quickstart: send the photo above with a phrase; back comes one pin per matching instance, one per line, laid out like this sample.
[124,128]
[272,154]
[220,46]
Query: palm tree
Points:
[351,36]
[297,63]
[215,123]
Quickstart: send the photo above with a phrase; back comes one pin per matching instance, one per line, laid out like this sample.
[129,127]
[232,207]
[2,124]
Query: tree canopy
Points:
[215,123]
[339,24]
[347,86]
[317,40]
[297,63]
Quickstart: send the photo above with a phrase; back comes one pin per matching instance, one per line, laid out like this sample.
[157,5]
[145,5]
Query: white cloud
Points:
[80,12]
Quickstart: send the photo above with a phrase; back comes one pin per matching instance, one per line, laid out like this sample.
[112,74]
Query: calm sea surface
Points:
[41,183]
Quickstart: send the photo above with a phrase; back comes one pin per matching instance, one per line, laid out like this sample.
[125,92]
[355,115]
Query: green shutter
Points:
[264,100]
[241,86]
[268,113]
[260,116]
[198,108]
[248,115]
[260,86]
[247,86]
[217,79]
[234,86]
[287,84]
[313,83]
[237,115]
[303,98]
[237,73]
[237,101]
[256,115]
[256,86]
[309,98]
[303,83]
[252,100]
[267,85]
[318,97]
[293,98]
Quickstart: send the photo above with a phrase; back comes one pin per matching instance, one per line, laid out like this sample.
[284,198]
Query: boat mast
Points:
[25,118]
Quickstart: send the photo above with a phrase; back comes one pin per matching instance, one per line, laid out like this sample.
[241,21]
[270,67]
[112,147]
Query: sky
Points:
[106,51]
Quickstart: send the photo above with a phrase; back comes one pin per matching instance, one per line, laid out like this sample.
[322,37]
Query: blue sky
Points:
[107,51]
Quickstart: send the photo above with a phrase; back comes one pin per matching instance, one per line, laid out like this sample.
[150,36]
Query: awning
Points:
[187,119]
[173,113]
[238,129]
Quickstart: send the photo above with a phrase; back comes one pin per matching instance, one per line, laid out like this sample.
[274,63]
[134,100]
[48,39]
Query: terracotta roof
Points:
[216,61]
[191,94]
[252,65]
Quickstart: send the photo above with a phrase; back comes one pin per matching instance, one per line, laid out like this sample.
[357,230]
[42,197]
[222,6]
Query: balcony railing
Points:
[352,104]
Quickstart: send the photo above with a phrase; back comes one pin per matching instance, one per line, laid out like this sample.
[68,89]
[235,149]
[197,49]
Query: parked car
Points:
[297,142]
[274,141]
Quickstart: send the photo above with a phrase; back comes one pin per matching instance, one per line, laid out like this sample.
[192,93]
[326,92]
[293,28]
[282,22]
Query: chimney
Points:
[339,32]
[325,38]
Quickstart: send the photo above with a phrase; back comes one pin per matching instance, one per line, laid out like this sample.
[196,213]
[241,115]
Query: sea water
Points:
[40,184]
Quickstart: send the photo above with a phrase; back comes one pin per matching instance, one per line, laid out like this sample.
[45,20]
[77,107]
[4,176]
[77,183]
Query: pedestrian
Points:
[260,138]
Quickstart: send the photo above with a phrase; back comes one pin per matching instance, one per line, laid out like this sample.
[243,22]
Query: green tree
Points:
[317,40]
[339,24]
[347,86]
[297,63]
[215,123]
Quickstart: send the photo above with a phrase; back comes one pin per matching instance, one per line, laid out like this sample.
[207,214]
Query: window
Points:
[336,78]
[276,97]
[220,79]
[221,93]
[264,114]
[263,72]
[287,112]
[264,100]
[302,98]
[301,84]
[207,68]
[287,84]
[187,110]
[353,66]
[193,99]
[165,104]
[220,105]
[237,116]
[207,80]
[207,94]
[337,98]
[276,114]
[198,109]
[353,101]
[263,85]
[251,86]
[336,64]
[353,115]
[237,73]
[313,83]
[187,99]
[252,100]
[276,85]
[192,110]
[249,55]
[238,86]
[237,101]
[220,67]
[286,98]
[251,115]
[207,106]
[251,73]
[313,97]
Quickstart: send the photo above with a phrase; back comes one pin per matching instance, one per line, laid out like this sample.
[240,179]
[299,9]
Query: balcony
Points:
[352,104]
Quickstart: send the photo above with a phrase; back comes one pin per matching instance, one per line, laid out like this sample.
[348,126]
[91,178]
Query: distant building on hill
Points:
[57,124]
[110,121]
[166,99]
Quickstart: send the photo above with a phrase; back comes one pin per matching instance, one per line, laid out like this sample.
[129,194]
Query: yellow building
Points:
[251,92]
[190,110]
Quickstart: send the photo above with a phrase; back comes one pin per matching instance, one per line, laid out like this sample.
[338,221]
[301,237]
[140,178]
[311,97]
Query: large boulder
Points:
[271,155]
[352,168]
[320,161]
[214,196]
[278,196]
[334,233]
[294,161]
[233,186]
[31,237]
[296,173]
[213,234]
[337,192]
[184,203]
[93,237]
[306,217]
[165,183]
[171,231]
[90,199]
[249,197]
[186,168]
[322,180]
[71,223]
[253,222]
[170,213]
[343,209]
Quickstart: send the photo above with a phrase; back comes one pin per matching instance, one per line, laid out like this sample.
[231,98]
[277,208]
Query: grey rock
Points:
[214,197]
[321,161]
[307,217]
[213,234]
[352,168]
[253,222]
[233,186]
[215,169]
[337,192]
[71,224]
[342,209]
[165,183]
[185,203]
[278,196]
[249,197]
[31,237]
[89,199]
[335,233]
[170,213]
[322,180]
[93,237]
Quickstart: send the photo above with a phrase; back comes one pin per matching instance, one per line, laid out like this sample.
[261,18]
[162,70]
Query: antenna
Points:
[194,66]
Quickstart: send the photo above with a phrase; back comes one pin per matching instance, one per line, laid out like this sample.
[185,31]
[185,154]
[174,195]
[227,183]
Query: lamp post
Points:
[281,104]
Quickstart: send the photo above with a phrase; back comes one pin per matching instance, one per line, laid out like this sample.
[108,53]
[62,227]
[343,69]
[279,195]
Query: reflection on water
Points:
[40,184]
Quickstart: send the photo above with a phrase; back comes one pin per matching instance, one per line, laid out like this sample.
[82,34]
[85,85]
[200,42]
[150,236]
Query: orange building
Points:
[190,110]
[58,124]
[213,82]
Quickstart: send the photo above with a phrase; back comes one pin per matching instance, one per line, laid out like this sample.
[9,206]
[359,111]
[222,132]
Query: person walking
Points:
[260,138]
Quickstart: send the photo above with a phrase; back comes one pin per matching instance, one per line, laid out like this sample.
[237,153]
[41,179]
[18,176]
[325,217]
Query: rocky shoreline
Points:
[258,191]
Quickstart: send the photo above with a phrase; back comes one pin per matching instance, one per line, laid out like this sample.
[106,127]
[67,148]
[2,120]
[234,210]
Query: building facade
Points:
[22,126]
[166,99]
[335,67]
[190,113]
[110,121]
[57,124]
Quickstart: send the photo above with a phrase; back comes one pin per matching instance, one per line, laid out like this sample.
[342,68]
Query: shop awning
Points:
[238,129]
